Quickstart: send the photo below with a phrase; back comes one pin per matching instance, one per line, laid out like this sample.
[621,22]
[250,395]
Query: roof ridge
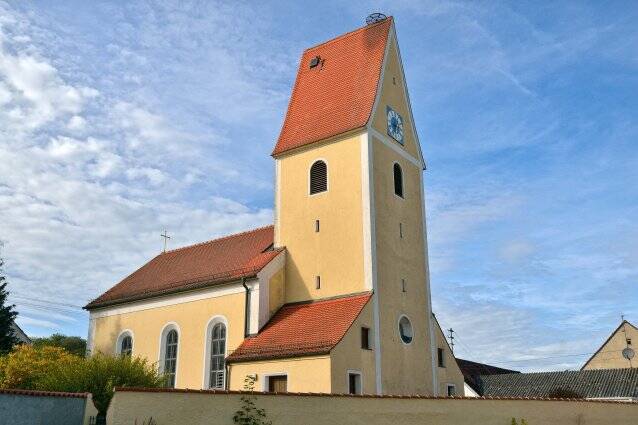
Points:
[349,33]
[630,369]
[221,238]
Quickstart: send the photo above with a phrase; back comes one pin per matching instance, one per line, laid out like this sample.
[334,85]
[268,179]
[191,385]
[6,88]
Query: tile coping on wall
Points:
[416,397]
[43,393]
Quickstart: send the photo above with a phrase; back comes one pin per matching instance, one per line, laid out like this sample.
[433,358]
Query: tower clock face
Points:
[395,124]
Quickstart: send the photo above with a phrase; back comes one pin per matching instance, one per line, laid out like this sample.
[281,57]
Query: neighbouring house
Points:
[618,351]
[472,372]
[335,296]
[603,384]
[19,333]
[449,374]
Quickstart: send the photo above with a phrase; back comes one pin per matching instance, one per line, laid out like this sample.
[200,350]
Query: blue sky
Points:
[120,119]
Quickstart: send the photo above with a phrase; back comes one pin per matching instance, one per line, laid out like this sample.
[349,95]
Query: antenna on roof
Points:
[375,17]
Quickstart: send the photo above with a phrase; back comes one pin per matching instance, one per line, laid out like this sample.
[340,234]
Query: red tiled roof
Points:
[337,95]
[302,329]
[217,261]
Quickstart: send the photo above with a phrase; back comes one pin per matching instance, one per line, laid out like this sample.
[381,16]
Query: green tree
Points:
[7,316]
[72,344]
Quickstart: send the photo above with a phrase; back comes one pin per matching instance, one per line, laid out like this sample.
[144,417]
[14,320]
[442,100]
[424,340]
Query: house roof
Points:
[302,329]
[598,383]
[192,267]
[337,95]
[623,323]
[473,370]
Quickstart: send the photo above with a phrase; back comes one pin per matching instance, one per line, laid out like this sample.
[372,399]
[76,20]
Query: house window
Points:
[278,384]
[440,357]
[398,180]
[317,226]
[126,347]
[318,177]
[354,383]
[451,390]
[170,357]
[405,330]
[217,357]
[318,282]
[403,287]
[365,338]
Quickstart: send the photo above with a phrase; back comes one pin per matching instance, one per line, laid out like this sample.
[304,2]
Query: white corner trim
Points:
[428,294]
[180,298]
[120,337]
[277,234]
[387,141]
[162,347]
[90,340]
[207,336]
[370,247]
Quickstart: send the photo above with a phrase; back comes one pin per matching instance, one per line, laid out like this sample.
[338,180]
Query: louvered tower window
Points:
[398,180]
[318,177]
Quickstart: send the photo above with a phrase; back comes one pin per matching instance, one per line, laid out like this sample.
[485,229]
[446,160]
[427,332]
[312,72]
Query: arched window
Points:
[126,346]
[318,177]
[398,180]
[124,343]
[217,377]
[170,357]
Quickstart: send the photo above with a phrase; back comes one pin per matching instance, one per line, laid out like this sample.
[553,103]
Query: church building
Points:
[334,297]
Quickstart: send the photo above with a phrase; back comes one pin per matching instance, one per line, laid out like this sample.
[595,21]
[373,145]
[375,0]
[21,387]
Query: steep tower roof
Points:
[337,94]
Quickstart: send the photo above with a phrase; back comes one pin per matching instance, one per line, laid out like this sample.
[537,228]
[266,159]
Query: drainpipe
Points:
[246,307]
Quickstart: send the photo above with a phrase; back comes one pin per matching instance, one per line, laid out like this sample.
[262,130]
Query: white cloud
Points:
[76,123]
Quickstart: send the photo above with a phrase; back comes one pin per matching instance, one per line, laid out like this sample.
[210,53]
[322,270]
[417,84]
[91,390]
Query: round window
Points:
[405,330]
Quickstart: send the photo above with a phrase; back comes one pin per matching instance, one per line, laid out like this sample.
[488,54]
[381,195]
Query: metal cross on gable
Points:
[166,238]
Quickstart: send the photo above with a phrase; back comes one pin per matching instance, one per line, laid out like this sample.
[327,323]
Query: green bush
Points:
[54,369]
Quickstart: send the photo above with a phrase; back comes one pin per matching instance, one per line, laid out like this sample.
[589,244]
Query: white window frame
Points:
[401,316]
[207,337]
[162,348]
[266,378]
[402,181]
[447,390]
[120,337]
[325,161]
[354,372]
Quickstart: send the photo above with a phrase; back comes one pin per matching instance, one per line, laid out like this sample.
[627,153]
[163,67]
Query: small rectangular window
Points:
[401,230]
[278,384]
[354,383]
[628,341]
[365,338]
[318,282]
[317,226]
[451,390]
[403,287]
[441,358]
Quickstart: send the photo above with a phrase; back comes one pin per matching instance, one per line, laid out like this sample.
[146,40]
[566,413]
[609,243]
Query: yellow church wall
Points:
[277,294]
[191,318]
[349,356]
[393,95]
[450,373]
[335,252]
[610,355]
[406,369]
[305,374]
